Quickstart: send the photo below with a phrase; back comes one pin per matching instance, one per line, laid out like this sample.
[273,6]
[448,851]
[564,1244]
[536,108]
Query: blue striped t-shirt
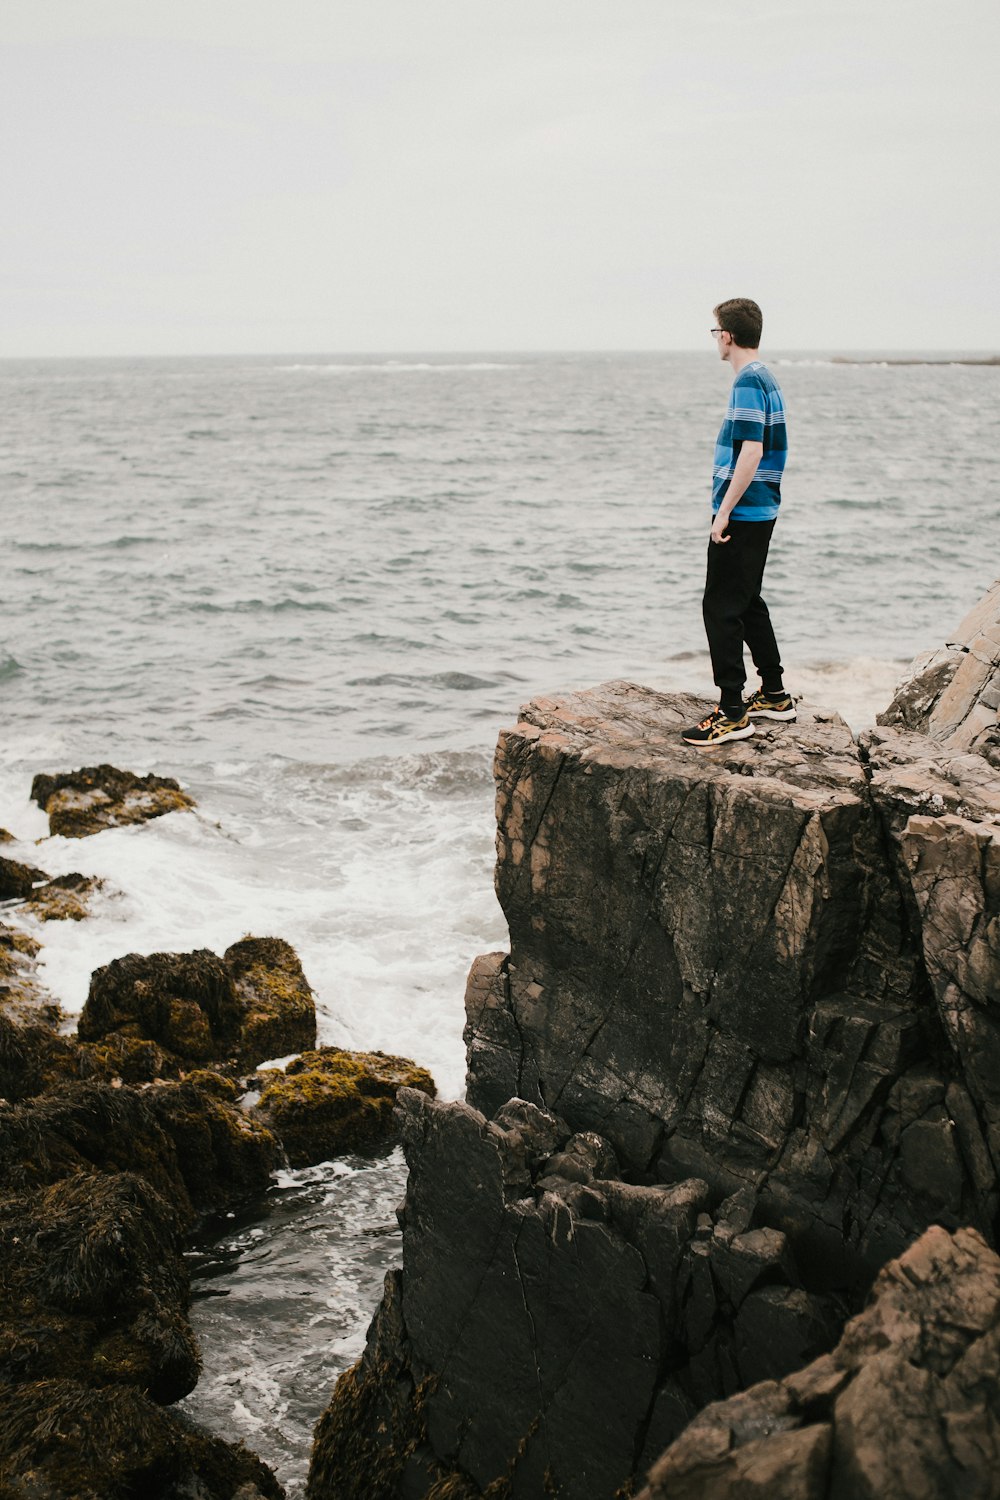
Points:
[756,414]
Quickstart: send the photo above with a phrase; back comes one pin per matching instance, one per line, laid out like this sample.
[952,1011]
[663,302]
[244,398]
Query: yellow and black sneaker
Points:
[717,728]
[770,706]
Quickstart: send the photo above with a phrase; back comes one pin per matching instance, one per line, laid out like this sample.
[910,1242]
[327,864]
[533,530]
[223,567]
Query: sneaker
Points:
[716,728]
[763,706]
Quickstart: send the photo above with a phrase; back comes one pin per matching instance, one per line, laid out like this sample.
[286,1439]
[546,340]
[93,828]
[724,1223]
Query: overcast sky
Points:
[231,176]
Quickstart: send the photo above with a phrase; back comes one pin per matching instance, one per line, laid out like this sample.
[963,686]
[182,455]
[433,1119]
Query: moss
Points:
[60,1439]
[279,1011]
[329,1101]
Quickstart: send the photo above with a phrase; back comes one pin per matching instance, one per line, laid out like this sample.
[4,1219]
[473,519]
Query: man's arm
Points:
[747,464]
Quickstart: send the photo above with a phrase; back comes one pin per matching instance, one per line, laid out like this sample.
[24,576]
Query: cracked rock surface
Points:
[740,1062]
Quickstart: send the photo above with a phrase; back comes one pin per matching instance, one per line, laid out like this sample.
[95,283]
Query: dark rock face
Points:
[713,964]
[907,1403]
[328,1101]
[598,1314]
[742,1054]
[85,801]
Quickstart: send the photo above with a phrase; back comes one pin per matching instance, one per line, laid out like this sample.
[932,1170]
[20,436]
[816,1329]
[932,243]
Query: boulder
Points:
[186,1002]
[66,898]
[328,1102]
[62,1440]
[97,797]
[906,1404]
[190,1009]
[278,1008]
[17,881]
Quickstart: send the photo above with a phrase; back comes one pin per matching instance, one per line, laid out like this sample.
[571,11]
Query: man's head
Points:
[740,323]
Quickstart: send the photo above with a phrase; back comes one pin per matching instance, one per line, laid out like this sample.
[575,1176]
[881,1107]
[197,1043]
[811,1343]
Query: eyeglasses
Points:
[714,331]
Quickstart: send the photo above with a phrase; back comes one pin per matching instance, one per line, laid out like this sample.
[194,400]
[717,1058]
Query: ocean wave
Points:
[9,667]
[394,367]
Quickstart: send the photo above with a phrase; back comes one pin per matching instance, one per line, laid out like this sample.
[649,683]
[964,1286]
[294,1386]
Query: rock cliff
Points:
[743,1052]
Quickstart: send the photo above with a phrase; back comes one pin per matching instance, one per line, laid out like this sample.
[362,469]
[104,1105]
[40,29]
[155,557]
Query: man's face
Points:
[723,342]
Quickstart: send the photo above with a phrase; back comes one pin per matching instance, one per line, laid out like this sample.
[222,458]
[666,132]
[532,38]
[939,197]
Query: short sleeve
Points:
[748,411]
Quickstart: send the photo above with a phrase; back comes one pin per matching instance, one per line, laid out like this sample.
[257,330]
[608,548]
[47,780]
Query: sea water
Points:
[313,589]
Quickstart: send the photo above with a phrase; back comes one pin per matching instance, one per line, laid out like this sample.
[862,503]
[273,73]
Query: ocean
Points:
[313,589]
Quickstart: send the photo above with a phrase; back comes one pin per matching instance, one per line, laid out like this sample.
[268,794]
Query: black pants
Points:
[734,611]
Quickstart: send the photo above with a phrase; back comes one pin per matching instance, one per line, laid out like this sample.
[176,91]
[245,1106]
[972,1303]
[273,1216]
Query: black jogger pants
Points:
[733,610]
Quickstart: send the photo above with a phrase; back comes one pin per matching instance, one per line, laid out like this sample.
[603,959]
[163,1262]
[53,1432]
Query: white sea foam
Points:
[381,884]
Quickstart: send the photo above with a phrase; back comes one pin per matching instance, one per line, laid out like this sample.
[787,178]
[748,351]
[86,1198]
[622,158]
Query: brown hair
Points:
[742,320]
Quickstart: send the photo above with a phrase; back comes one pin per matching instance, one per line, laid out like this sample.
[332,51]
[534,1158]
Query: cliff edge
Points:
[742,1054]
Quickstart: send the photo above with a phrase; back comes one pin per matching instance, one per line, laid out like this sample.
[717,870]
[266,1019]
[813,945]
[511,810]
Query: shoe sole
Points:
[772,713]
[723,739]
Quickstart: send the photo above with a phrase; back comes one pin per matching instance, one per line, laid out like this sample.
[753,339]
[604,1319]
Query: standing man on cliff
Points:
[746,493]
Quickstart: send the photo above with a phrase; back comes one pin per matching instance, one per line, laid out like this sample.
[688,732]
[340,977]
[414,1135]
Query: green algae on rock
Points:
[279,1012]
[329,1101]
[82,802]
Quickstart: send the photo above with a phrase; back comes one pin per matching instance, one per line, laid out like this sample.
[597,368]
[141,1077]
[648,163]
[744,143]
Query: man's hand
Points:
[719,529]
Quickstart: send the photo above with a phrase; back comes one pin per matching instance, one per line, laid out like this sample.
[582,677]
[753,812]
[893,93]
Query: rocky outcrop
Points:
[907,1404]
[23,996]
[17,881]
[328,1101]
[952,694]
[196,1008]
[742,1054]
[86,801]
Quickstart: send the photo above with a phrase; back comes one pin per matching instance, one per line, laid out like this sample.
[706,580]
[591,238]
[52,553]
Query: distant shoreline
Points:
[844,359]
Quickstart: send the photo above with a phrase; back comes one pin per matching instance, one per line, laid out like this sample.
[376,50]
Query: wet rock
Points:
[17,881]
[905,1405]
[97,797]
[60,1439]
[328,1101]
[591,1309]
[5,837]
[279,1012]
[186,1002]
[197,1008]
[23,997]
[66,898]
[94,1287]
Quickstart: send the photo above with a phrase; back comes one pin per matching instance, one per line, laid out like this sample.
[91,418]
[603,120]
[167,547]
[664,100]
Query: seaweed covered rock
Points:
[329,1101]
[196,1008]
[33,1057]
[60,1440]
[93,1286]
[279,1012]
[23,997]
[17,881]
[907,1404]
[96,797]
[186,1002]
[197,1149]
[65,898]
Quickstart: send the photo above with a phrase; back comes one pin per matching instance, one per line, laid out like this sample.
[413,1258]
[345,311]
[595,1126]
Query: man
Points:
[746,493]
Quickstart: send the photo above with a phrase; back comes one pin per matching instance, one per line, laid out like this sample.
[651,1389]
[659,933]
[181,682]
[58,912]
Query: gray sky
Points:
[216,176]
